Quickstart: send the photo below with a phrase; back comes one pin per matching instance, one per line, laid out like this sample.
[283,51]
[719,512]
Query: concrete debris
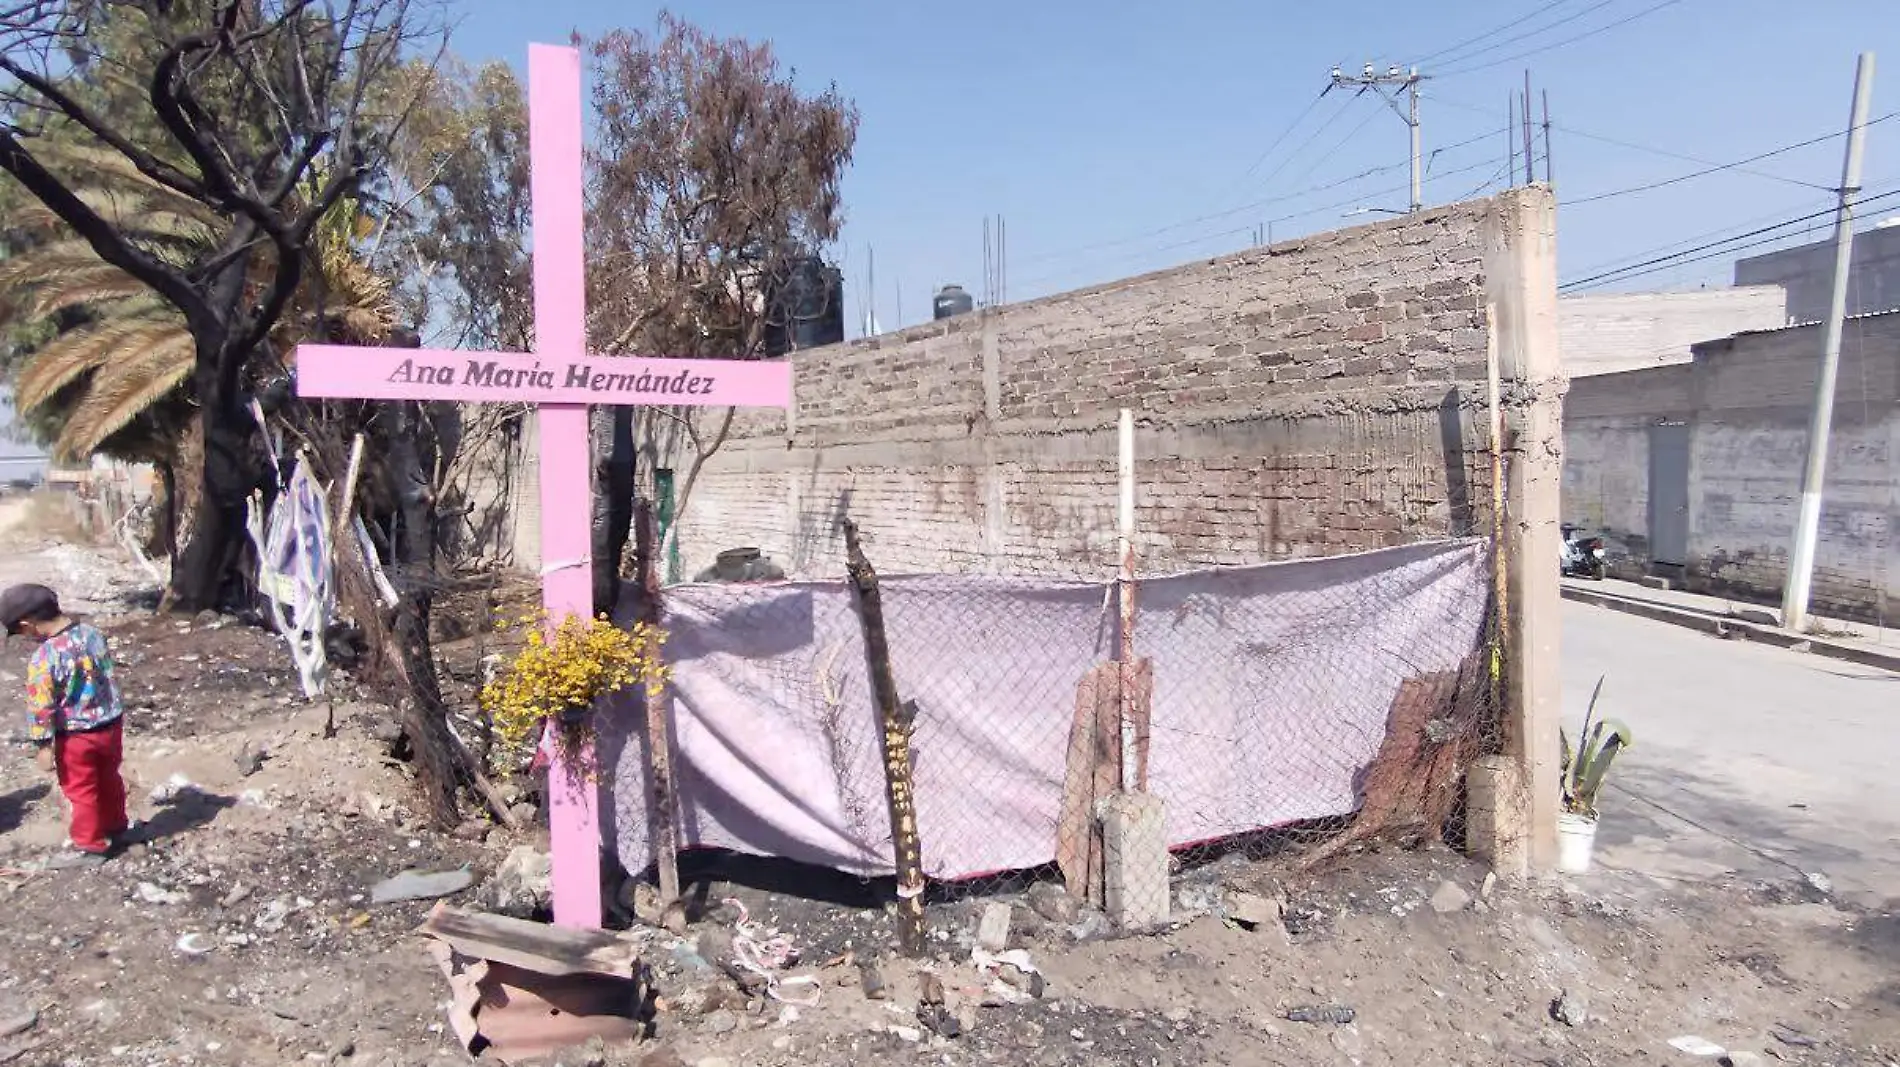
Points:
[1696,1046]
[992,929]
[1053,903]
[522,886]
[418,885]
[1790,1036]
[1253,911]
[152,894]
[1092,926]
[1569,1009]
[1490,883]
[250,758]
[664,1056]
[720,1022]
[1450,897]
[1821,884]
[871,980]
[192,944]
[17,1019]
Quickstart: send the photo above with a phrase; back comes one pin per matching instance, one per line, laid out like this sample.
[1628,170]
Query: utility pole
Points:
[1510,137]
[1530,157]
[1794,601]
[1548,180]
[1399,81]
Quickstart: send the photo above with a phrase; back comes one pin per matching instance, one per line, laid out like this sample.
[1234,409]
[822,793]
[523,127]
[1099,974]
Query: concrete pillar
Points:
[1135,846]
[1495,818]
[1520,266]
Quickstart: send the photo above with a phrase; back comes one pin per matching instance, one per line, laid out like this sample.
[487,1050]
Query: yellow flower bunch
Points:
[560,672]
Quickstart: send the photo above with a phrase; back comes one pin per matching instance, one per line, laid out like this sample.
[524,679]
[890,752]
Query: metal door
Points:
[1669,493]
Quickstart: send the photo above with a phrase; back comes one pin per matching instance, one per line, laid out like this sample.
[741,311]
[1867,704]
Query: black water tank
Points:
[952,300]
[807,308]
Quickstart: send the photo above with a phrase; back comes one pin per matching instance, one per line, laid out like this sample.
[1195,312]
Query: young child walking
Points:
[73,718]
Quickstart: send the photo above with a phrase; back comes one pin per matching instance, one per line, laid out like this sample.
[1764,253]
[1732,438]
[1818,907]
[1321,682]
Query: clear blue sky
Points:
[1102,131]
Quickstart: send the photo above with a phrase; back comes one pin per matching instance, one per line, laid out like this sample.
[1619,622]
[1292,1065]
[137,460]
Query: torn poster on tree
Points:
[439,374]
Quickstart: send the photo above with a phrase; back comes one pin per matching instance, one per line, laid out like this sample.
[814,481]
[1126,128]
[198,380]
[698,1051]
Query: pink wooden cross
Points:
[562,380]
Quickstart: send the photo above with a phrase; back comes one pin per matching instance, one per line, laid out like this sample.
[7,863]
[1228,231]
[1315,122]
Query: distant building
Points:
[1610,332]
[1693,470]
[1807,273]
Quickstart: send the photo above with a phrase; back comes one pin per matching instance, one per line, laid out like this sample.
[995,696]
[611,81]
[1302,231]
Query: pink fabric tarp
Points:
[1272,685]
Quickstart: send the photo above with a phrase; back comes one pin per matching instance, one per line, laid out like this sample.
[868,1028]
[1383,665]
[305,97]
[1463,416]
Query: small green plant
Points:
[1584,767]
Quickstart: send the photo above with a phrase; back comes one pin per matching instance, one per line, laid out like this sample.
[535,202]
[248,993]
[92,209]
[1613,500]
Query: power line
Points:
[1520,20]
[1255,205]
[1559,44]
[1314,136]
[1651,266]
[1783,150]
[1629,260]
[1281,139]
[1334,150]
[1355,201]
[1455,60]
[1574,132]
[1585,134]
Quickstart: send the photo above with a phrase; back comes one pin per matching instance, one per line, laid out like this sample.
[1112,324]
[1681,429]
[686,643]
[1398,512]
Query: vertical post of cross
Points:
[560,332]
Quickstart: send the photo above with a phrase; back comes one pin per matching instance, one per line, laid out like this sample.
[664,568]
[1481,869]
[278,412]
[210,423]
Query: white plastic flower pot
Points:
[1576,841]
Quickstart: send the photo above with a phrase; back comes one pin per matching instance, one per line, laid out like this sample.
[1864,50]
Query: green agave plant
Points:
[1584,767]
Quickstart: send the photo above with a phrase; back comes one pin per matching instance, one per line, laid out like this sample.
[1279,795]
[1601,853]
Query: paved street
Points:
[1747,758]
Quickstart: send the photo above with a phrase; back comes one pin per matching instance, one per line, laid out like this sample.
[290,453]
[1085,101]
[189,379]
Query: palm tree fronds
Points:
[72,355]
[122,390]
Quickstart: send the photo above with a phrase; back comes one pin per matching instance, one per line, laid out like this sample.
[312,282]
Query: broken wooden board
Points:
[532,946]
[1092,773]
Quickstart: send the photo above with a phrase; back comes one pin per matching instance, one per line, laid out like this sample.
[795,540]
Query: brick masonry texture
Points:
[1320,396]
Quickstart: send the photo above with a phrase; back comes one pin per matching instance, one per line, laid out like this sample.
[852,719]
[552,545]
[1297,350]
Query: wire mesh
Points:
[1267,708]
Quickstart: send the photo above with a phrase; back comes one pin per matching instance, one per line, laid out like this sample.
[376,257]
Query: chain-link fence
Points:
[1265,706]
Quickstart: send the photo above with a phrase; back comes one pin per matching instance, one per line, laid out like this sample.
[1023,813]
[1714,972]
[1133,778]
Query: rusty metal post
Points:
[662,800]
[895,716]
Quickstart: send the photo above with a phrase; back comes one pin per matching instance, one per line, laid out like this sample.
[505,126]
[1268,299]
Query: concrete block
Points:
[1134,839]
[1496,817]
[992,928]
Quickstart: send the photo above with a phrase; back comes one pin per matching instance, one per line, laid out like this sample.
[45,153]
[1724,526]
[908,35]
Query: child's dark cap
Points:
[26,601]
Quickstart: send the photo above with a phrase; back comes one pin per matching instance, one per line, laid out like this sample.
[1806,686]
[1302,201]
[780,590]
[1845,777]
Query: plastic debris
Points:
[763,952]
[419,885]
[1696,1046]
[1320,1014]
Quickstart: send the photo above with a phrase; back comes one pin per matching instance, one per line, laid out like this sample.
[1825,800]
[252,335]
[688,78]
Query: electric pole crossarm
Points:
[1402,82]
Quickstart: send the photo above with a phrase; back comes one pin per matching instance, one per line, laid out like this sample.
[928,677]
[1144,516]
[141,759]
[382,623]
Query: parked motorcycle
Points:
[1581,557]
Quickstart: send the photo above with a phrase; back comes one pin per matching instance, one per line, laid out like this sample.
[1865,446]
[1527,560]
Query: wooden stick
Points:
[660,814]
[895,716]
[497,804]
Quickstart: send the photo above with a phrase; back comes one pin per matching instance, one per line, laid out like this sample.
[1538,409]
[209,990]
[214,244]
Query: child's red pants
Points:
[88,766]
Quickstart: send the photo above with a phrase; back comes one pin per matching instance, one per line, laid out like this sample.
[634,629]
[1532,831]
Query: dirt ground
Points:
[242,933]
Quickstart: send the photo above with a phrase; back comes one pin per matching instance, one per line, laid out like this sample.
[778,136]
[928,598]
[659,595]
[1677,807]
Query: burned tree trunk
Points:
[661,795]
[425,714]
[895,718]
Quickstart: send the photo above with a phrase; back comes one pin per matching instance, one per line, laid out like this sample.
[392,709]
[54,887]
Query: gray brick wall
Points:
[1319,396]
[1609,332]
[1746,400]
